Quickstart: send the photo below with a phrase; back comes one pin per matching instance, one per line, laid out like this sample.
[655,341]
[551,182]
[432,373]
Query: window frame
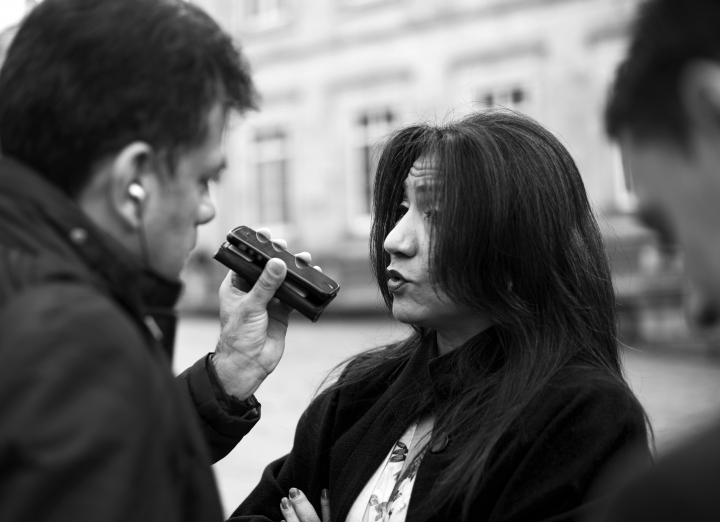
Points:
[259,22]
[370,141]
[257,161]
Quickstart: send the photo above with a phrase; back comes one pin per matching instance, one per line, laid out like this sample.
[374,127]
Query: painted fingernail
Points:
[324,495]
[284,503]
[294,492]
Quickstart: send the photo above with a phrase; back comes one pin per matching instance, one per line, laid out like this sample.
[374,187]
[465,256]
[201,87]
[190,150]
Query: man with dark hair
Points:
[111,121]
[665,113]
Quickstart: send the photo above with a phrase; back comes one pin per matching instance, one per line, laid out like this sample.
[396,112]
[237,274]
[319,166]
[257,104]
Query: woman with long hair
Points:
[508,398]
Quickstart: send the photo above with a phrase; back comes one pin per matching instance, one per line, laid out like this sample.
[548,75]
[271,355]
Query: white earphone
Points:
[136,192]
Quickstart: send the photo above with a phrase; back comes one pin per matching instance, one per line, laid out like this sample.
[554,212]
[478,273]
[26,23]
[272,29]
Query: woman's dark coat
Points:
[93,426]
[542,470]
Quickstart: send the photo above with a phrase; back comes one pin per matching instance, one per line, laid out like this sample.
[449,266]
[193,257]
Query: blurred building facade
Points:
[336,76]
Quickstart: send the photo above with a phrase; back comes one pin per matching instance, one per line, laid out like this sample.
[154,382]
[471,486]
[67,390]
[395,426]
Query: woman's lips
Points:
[395,280]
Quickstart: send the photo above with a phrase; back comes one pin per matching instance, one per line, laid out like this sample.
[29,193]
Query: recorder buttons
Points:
[242,254]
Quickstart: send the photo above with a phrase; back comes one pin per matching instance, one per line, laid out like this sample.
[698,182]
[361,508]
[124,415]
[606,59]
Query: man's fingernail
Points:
[285,504]
[324,494]
[293,493]
[275,268]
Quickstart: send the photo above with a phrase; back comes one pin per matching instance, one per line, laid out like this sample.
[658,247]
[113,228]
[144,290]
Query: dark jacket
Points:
[93,426]
[684,486]
[541,469]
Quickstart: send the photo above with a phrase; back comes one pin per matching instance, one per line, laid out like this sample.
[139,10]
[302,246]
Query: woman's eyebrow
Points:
[420,178]
[428,187]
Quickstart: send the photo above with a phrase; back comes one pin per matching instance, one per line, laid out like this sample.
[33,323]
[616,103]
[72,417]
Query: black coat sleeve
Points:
[224,420]
[306,467]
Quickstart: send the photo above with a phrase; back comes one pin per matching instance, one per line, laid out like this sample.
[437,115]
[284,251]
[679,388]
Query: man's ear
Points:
[700,95]
[130,169]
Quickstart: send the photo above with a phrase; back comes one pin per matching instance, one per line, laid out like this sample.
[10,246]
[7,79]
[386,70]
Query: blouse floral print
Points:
[390,495]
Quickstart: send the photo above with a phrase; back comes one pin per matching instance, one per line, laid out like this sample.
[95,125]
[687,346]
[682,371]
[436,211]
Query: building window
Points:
[271,174]
[370,129]
[512,97]
[266,14]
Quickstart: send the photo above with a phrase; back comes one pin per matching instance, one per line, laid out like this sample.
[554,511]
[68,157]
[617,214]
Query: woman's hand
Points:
[299,509]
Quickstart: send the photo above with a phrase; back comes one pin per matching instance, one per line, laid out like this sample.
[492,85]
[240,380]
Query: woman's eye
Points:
[431,213]
[400,211]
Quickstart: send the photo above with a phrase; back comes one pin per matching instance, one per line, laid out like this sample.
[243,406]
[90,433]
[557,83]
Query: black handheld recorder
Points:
[305,289]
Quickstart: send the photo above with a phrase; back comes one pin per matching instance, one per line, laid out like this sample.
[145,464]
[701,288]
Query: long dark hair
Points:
[515,240]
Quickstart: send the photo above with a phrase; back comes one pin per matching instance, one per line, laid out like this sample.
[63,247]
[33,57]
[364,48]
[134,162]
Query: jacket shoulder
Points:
[584,399]
[367,375]
[21,270]
[66,319]
[70,352]
[582,424]
[591,385]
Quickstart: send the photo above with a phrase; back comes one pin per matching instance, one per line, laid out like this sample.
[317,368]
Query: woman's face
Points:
[415,300]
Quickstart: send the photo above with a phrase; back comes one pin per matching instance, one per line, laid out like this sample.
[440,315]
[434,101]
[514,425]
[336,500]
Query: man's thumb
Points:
[270,280]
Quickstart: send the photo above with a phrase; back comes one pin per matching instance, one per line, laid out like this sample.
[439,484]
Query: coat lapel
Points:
[358,453]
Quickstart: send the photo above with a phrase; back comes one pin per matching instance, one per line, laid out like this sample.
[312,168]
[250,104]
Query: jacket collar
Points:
[427,380]
[394,398]
[447,373]
[430,379]
[68,233]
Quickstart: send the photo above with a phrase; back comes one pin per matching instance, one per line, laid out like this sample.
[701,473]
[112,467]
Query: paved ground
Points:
[680,392]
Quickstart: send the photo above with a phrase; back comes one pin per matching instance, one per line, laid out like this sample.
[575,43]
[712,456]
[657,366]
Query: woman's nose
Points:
[401,240]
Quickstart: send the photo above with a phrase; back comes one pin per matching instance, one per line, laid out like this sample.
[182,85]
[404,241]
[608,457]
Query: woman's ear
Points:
[128,193]
[700,95]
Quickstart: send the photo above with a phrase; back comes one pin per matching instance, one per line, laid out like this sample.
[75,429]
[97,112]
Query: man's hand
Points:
[252,328]
[298,509]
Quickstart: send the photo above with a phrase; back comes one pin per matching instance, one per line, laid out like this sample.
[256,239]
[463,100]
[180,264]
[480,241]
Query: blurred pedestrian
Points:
[665,113]
[111,121]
